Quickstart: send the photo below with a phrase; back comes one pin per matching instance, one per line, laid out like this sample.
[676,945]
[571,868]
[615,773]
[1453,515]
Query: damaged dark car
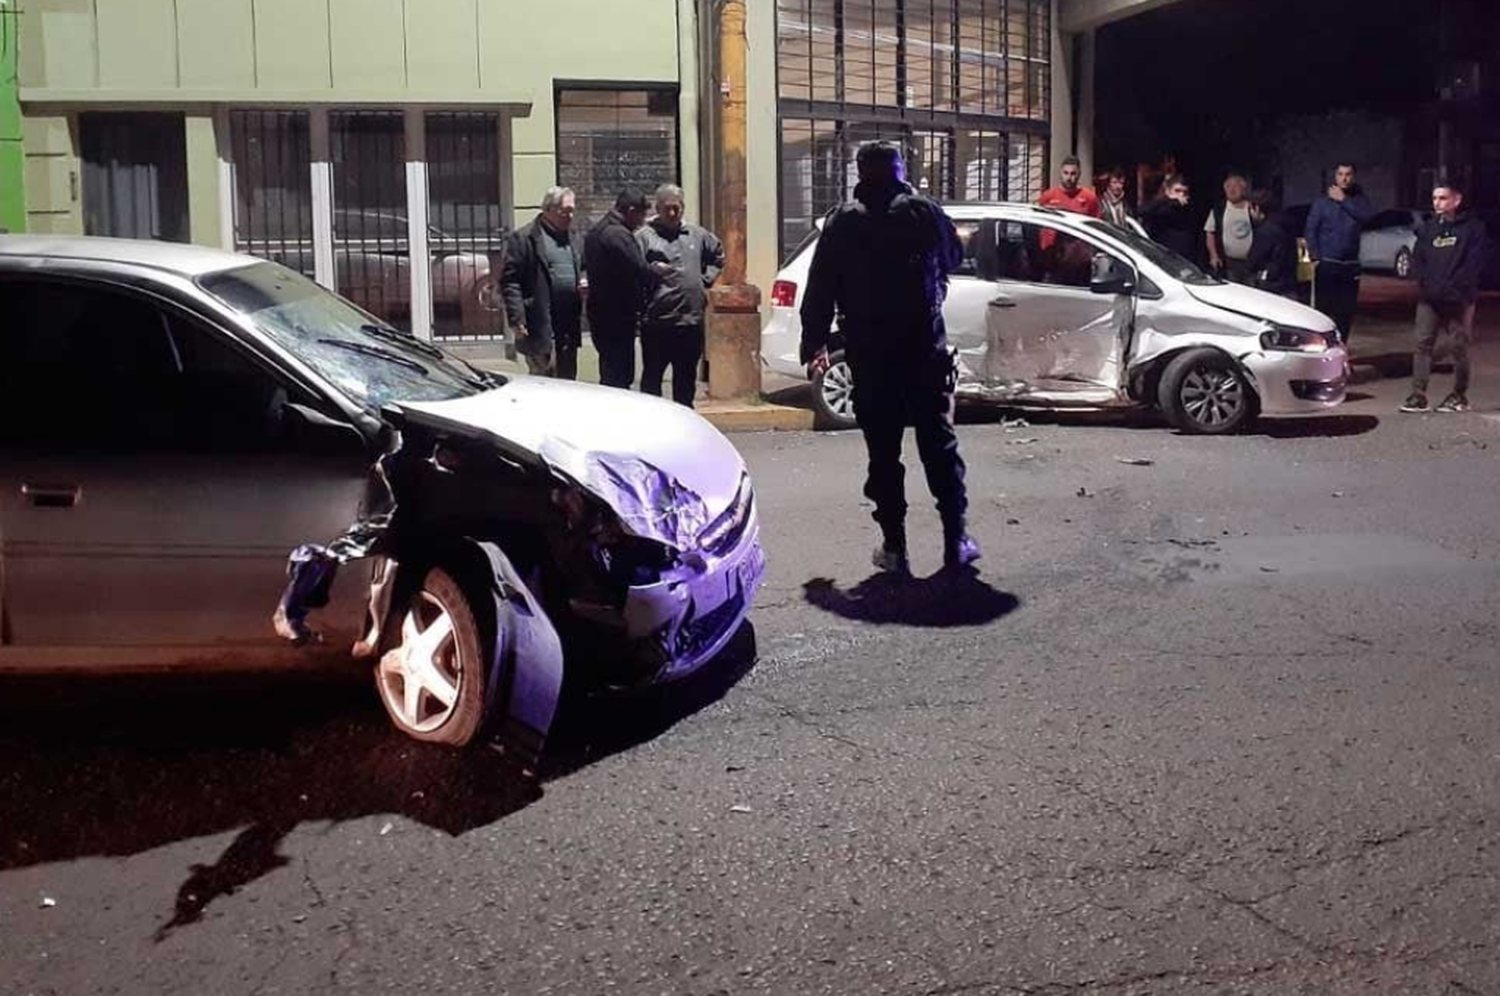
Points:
[209,461]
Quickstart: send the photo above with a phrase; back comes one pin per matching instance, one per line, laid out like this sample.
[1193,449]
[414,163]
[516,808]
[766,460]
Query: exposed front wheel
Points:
[431,681]
[1204,392]
[833,394]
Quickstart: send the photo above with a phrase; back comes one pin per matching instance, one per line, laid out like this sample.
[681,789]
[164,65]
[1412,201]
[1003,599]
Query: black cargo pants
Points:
[889,396]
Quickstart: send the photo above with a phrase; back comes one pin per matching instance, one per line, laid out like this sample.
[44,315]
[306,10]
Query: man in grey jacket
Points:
[543,284]
[672,328]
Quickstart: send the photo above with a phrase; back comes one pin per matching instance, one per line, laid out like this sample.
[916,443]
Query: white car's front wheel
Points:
[1204,392]
[833,394]
[431,681]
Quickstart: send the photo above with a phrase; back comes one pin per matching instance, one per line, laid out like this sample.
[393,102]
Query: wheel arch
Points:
[1145,377]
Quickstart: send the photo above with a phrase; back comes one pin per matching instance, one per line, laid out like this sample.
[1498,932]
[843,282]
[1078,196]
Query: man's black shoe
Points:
[961,551]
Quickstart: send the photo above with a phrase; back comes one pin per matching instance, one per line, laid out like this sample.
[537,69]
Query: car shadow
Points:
[1315,427]
[117,766]
[951,598]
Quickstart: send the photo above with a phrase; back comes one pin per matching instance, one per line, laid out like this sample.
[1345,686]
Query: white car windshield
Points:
[1159,255]
[368,360]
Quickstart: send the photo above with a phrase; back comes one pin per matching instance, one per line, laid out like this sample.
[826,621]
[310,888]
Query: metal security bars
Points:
[273,214]
[466,235]
[608,139]
[963,84]
[371,247]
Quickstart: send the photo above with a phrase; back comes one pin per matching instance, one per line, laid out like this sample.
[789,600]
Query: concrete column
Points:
[734,321]
[1062,137]
[1072,101]
[205,198]
[1084,97]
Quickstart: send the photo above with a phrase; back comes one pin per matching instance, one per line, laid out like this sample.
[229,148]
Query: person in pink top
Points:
[1070,196]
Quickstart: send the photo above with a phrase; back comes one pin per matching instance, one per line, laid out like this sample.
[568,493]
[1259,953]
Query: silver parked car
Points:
[177,421]
[1387,242]
[1053,309]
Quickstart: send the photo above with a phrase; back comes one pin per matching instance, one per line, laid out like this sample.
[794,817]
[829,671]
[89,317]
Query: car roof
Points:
[169,257]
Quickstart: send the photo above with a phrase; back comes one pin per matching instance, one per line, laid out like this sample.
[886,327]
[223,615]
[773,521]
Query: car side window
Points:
[1032,253]
[94,367]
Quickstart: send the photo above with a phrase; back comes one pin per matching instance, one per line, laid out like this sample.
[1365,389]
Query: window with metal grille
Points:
[964,85]
[465,238]
[273,215]
[609,139]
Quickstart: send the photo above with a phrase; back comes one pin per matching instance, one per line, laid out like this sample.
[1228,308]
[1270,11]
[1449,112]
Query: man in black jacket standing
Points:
[1272,263]
[1170,219]
[672,332]
[619,280]
[882,266]
[542,283]
[1446,262]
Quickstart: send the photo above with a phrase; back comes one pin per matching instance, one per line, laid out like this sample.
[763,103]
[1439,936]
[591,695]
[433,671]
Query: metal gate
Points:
[371,247]
[466,233]
[273,215]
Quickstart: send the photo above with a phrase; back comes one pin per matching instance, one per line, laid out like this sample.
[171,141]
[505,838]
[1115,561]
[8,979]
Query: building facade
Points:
[384,147]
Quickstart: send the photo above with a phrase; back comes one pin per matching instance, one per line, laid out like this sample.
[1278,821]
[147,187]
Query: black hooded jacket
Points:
[1448,259]
[882,266]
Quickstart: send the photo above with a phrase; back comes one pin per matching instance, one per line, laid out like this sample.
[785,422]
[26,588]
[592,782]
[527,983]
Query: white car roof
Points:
[172,257]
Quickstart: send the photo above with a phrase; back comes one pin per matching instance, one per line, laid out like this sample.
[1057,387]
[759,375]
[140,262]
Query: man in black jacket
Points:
[1446,262]
[1272,263]
[542,283]
[882,266]
[672,332]
[619,280]
[1170,219]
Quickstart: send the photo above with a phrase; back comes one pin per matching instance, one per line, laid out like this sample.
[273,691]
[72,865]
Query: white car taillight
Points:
[783,294]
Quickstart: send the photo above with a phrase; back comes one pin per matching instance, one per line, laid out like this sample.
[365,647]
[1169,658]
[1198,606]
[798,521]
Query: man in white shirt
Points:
[1231,231]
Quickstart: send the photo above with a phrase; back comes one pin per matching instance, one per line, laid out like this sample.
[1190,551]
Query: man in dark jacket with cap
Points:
[882,266]
[1447,260]
[542,283]
[619,280]
[672,331]
[1171,220]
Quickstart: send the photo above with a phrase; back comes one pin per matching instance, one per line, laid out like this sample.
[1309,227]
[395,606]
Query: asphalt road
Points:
[1219,720]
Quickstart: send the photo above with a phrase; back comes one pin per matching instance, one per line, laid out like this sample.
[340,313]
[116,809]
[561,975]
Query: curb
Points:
[756,418]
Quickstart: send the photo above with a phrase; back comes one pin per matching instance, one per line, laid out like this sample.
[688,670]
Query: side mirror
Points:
[311,429]
[1110,276]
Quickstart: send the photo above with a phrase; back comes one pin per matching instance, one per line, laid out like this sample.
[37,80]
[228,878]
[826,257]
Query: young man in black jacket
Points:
[1447,261]
[542,283]
[1272,263]
[1171,221]
[619,280]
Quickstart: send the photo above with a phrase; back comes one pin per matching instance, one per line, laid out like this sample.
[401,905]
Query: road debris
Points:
[1136,461]
[386,829]
[741,809]
[48,902]
[1085,493]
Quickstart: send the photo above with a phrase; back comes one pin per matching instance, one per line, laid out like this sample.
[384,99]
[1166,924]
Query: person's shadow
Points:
[950,598]
[120,766]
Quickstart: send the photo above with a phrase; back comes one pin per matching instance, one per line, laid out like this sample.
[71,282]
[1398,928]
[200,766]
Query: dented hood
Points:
[1253,303]
[606,439]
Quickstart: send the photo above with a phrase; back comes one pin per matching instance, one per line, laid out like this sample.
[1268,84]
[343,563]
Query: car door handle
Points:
[1002,302]
[52,495]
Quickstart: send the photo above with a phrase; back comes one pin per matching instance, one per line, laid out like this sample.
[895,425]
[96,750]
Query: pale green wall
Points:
[201,54]
[12,157]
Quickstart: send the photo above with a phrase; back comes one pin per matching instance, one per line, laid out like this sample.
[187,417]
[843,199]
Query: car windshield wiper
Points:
[369,350]
[403,339]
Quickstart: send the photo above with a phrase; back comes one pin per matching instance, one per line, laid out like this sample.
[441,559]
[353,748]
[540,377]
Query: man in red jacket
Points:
[1070,196]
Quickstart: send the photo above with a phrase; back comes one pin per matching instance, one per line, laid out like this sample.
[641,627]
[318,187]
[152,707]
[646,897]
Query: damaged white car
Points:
[177,421]
[1059,310]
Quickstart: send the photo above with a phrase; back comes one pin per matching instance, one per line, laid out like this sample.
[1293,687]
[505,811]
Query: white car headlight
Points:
[1283,339]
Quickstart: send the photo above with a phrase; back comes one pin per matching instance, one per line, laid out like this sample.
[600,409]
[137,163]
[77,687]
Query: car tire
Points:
[432,678]
[1403,263]
[833,394]
[1203,392]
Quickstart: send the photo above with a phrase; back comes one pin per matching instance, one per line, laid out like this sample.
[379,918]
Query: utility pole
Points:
[733,331]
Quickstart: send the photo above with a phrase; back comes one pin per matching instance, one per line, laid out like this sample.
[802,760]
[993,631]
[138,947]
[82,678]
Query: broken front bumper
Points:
[1299,383]
[683,620]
